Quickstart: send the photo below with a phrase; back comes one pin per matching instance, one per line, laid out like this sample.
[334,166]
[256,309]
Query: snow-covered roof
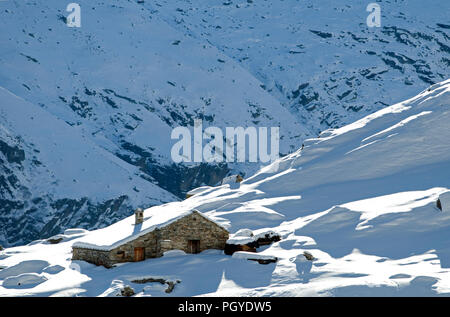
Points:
[126,230]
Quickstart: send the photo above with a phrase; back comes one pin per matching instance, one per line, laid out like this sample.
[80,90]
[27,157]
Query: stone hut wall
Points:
[92,256]
[192,227]
[125,252]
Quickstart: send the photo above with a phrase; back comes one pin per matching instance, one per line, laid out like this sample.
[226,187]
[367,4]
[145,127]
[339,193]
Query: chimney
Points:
[139,216]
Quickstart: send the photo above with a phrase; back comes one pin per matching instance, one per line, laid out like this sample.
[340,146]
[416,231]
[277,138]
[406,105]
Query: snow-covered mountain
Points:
[361,200]
[318,58]
[53,177]
[122,100]
[136,69]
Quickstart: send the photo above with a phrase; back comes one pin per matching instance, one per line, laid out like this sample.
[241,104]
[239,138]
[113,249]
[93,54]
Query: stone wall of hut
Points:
[193,227]
[97,257]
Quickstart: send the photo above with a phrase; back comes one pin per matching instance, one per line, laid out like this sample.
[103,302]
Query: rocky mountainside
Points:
[134,70]
[320,60]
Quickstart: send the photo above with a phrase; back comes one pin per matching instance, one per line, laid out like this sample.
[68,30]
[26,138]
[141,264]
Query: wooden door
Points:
[139,254]
[194,246]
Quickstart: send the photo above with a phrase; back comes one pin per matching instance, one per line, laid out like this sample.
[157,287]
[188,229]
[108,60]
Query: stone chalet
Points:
[148,235]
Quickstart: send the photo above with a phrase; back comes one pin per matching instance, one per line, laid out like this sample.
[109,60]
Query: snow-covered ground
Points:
[361,200]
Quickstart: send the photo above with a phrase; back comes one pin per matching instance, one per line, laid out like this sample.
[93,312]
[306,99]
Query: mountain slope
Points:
[134,71]
[362,200]
[320,60]
[122,81]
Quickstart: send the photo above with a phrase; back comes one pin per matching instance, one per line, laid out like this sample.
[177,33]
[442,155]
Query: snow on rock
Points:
[444,200]
[301,258]
[240,240]
[232,180]
[265,235]
[241,237]
[245,236]
[117,288]
[244,233]
[127,291]
[303,263]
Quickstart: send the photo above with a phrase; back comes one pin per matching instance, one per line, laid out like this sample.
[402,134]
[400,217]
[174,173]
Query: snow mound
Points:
[53,269]
[243,233]
[241,237]
[26,280]
[240,240]
[246,236]
[31,266]
[253,256]
[173,253]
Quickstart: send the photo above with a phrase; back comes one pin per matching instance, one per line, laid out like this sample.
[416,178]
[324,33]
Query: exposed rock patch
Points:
[127,291]
[308,256]
[170,284]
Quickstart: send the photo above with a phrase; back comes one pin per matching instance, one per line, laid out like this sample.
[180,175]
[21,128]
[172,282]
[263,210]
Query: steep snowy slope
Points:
[53,177]
[362,200]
